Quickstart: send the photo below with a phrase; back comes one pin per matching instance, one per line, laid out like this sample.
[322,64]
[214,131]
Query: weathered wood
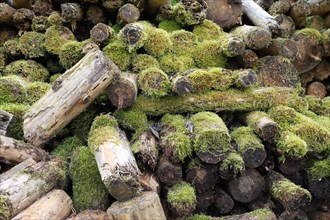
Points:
[16,169]
[247,187]
[149,182]
[114,157]
[280,7]
[123,90]
[71,93]
[145,206]
[316,89]
[232,46]
[223,202]
[297,215]
[101,33]
[255,38]
[248,59]
[231,166]
[5,119]
[17,151]
[260,17]
[6,13]
[54,205]
[72,12]
[128,13]
[168,173]
[225,13]
[287,25]
[281,46]
[26,186]
[22,18]
[90,215]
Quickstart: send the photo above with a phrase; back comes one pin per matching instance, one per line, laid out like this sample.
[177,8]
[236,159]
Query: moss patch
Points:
[35,91]
[208,30]
[291,145]
[144,61]
[4,208]
[172,63]
[32,44]
[182,197]
[158,42]
[209,54]
[184,42]
[286,188]
[56,36]
[132,120]
[169,25]
[319,170]
[70,53]
[12,89]
[233,162]
[246,139]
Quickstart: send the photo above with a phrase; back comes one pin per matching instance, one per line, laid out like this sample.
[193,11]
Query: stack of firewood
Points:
[158,109]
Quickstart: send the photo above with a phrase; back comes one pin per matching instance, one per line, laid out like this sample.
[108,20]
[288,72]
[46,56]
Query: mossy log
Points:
[225,13]
[247,187]
[190,12]
[90,214]
[26,186]
[71,93]
[231,166]
[6,13]
[17,151]
[321,71]
[326,43]
[101,33]
[152,6]
[248,58]
[16,169]
[255,38]
[279,7]
[232,46]
[315,21]
[316,89]
[290,195]
[249,146]
[319,178]
[145,206]
[123,90]
[260,17]
[96,14]
[128,13]
[230,100]
[168,172]
[154,82]
[296,214]
[54,205]
[5,119]
[223,202]
[114,157]
[291,165]
[281,46]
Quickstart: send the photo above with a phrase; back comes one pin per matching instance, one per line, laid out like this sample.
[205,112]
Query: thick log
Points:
[6,13]
[260,17]
[280,7]
[22,18]
[319,179]
[90,215]
[204,200]
[287,25]
[153,5]
[321,71]
[5,119]
[247,187]
[248,59]
[281,46]
[168,173]
[42,8]
[254,37]
[190,12]
[96,14]
[20,4]
[223,202]
[123,90]
[230,100]
[114,158]
[316,89]
[16,169]
[17,151]
[319,215]
[101,33]
[291,166]
[154,82]
[71,93]
[72,12]
[26,186]
[145,206]
[232,46]
[54,205]
[127,13]
[225,13]
[290,195]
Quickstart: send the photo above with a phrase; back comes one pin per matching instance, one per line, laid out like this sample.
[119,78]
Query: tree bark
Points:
[168,173]
[260,17]
[16,169]
[101,33]
[17,151]
[26,186]
[54,205]
[281,46]
[127,13]
[90,215]
[225,13]
[144,206]
[123,90]
[5,119]
[6,13]
[223,202]
[248,59]
[71,93]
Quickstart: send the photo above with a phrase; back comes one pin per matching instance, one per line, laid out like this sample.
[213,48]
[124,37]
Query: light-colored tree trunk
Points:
[71,93]
[5,119]
[18,168]
[54,205]
[90,214]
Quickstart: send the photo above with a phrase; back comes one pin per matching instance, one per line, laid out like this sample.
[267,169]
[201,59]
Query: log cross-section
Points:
[70,94]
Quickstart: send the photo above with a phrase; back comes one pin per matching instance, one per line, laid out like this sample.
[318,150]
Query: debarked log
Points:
[231,100]
[16,169]
[17,151]
[54,205]
[5,119]
[71,93]
[26,186]
[89,215]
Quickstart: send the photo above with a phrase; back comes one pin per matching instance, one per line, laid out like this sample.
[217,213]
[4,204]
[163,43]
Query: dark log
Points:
[319,179]
[321,71]
[127,13]
[43,8]
[5,119]
[22,18]
[204,200]
[72,12]
[290,195]
[223,202]
[326,43]
[286,24]
[248,59]
[81,85]
[20,4]
[319,215]
[17,151]
[112,5]
[140,4]
[231,166]
[6,13]
[281,46]
[90,215]
[168,173]
[263,201]
[247,187]
[96,14]
[102,33]
[202,176]
[291,166]
[293,215]
[316,89]
[225,13]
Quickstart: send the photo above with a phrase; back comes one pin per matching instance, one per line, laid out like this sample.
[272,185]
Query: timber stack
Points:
[165,109]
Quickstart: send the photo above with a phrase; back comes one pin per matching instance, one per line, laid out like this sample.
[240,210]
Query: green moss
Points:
[176,137]
[209,54]
[16,126]
[316,22]
[286,188]
[210,132]
[199,217]
[104,121]
[189,14]
[32,44]
[319,106]
[54,77]
[55,37]
[172,63]
[208,30]
[143,61]
[64,150]
[134,35]
[70,53]
[55,19]
[131,119]
[233,162]
[246,139]
[88,189]
[29,70]
[254,118]
[310,32]
[39,24]
[11,48]
[4,208]
[182,197]
[158,42]
[261,214]
[119,54]
[36,90]
[319,170]
[290,145]
[154,82]
[169,25]
[12,89]
[184,42]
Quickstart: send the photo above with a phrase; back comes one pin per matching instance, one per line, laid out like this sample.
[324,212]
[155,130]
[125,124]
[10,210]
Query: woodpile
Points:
[159,109]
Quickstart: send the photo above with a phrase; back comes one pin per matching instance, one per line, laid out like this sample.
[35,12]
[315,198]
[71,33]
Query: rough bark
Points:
[22,18]
[281,46]
[168,173]
[255,38]
[90,215]
[26,186]
[54,205]
[16,169]
[224,12]
[6,13]
[5,119]
[71,93]
[128,13]
[17,151]
[101,33]
[316,89]
[145,206]
[248,59]
[123,91]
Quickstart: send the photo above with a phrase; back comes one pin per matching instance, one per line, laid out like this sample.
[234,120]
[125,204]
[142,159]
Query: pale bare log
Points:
[5,119]
[90,215]
[71,93]
[16,169]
